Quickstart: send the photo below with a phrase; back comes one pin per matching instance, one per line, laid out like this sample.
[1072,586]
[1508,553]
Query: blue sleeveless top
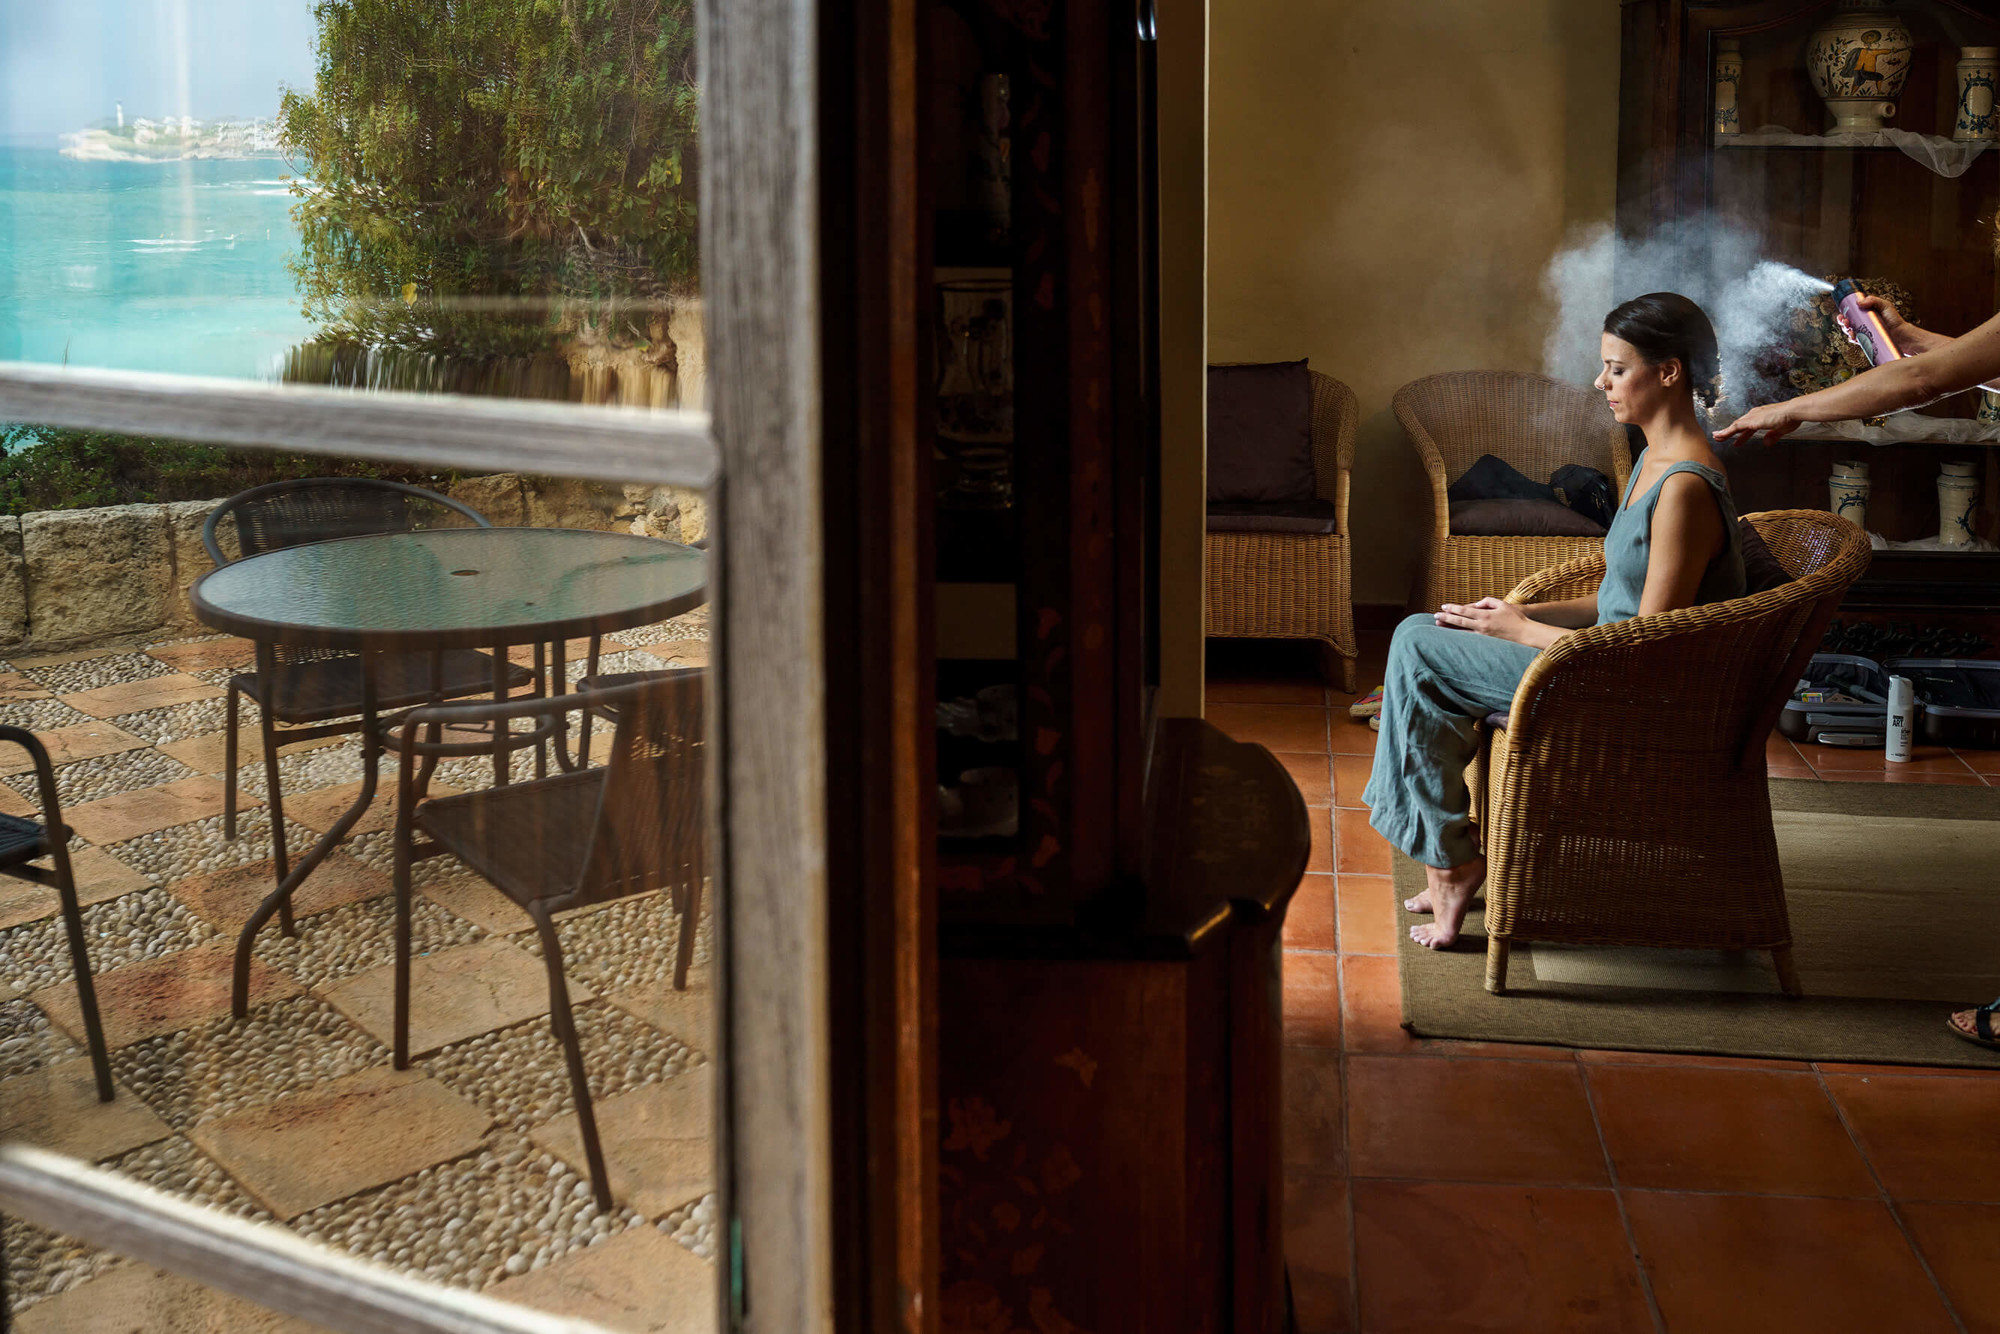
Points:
[1628,546]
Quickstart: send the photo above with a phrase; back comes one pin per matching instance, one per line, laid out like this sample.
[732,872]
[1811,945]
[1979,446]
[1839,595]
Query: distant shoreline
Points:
[182,140]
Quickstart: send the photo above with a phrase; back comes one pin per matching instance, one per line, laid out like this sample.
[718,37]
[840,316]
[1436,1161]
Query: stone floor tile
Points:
[454,994]
[681,652]
[163,995]
[132,1298]
[28,1041]
[477,902]
[688,1015]
[636,1282]
[99,877]
[657,1148]
[209,754]
[206,655]
[56,1108]
[24,901]
[127,816]
[349,1134]
[66,744]
[73,655]
[321,810]
[13,803]
[225,899]
[520,1075]
[17,686]
[159,692]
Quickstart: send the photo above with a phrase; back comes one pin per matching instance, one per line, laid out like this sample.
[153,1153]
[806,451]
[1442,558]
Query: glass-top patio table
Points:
[489,588]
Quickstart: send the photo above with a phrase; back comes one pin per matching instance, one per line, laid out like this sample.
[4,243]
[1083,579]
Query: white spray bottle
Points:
[1902,719]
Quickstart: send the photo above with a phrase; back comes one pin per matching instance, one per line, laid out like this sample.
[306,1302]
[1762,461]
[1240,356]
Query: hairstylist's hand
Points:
[1900,330]
[1488,616]
[1773,421]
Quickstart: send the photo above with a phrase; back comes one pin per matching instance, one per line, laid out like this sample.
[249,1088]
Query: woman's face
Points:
[1635,388]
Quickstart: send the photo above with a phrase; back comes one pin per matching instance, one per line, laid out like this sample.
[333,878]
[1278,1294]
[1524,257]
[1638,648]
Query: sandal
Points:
[1982,1024]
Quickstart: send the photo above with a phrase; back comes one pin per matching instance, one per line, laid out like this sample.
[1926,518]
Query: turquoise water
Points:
[175,266]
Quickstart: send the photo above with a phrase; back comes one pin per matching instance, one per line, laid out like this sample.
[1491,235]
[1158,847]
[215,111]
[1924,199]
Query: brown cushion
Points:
[1297,516]
[1520,518]
[1761,570]
[1260,433]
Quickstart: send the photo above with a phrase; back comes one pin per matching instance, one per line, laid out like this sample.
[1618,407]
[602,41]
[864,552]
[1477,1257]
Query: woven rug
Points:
[1894,893]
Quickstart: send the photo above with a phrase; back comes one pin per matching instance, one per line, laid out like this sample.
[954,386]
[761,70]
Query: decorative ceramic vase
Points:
[1989,406]
[1848,497]
[1978,71]
[1858,60]
[1958,497]
[1728,73]
[1958,470]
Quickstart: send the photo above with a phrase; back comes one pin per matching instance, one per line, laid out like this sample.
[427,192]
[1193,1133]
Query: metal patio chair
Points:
[21,842]
[570,840]
[305,688]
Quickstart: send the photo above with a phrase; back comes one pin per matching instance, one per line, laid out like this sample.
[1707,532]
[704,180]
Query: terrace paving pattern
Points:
[1440,1185]
[464,1169]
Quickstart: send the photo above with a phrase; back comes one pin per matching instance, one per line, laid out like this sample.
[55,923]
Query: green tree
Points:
[496,176]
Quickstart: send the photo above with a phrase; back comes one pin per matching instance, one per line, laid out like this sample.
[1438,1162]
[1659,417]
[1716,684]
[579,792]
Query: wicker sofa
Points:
[1286,585]
[1624,801]
[1534,423]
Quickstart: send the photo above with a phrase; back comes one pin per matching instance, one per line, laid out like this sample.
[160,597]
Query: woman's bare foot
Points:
[1450,894]
[1421,903]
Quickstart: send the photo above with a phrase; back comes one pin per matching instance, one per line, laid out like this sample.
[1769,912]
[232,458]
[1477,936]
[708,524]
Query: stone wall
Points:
[72,578]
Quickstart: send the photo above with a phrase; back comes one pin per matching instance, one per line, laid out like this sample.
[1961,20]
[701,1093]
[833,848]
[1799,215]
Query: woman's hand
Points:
[1901,332]
[1773,421]
[1489,616]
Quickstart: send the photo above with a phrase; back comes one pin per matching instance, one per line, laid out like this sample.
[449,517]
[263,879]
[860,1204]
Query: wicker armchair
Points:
[1625,802]
[1536,424]
[1297,585]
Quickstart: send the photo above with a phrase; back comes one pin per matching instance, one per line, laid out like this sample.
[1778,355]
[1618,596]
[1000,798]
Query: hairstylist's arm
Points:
[1913,339]
[1958,364]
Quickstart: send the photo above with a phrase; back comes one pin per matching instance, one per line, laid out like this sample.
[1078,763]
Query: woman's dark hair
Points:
[1666,326]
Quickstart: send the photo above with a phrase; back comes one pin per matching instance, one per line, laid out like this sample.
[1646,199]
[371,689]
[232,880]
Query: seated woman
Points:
[1672,544]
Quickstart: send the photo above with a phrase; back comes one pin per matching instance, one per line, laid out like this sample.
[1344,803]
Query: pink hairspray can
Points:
[1868,328]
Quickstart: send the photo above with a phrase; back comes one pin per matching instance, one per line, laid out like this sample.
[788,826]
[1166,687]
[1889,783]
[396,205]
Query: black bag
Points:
[1587,491]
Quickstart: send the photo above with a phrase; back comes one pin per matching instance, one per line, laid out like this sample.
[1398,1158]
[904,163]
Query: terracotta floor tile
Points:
[658,1151]
[1433,1258]
[85,741]
[225,899]
[209,754]
[1966,779]
[1311,774]
[130,814]
[1929,1139]
[1371,1019]
[1318,1253]
[156,692]
[1309,922]
[1762,1264]
[133,1298]
[1264,690]
[1960,1241]
[1779,750]
[1313,1110]
[1901,1071]
[1295,727]
[1312,999]
[1320,856]
[206,655]
[1790,771]
[1980,761]
[163,995]
[640,1279]
[347,1135]
[1471,1120]
[1367,907]
[1923,759]
[1359,849]
[1350,779]
[454,994]
[1674,1058]
[1689,1128]
[17,686]
[56,1108]
[1349,736]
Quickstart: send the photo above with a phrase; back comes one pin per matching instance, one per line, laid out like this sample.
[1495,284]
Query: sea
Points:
[176,266]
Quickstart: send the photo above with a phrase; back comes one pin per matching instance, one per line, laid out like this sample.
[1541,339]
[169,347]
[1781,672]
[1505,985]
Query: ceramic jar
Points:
[1847,493]
[1858,60]
[1728,74]
[1958,497]
[1989,406]
[1978,70]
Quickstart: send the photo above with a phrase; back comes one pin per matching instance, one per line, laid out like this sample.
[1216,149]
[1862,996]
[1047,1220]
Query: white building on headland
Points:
[174,139]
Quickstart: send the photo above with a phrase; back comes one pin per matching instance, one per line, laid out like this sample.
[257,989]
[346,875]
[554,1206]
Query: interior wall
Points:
[1386,184]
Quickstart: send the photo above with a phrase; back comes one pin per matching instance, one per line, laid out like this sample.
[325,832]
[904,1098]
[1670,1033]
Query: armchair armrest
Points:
[1571,579]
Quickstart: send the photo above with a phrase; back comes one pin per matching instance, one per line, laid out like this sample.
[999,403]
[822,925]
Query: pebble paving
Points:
[504,1209]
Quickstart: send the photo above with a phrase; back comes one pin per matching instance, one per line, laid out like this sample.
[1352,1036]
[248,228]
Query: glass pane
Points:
[479,198]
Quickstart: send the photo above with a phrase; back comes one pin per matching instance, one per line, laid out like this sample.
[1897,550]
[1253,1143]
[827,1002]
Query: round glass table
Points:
[448,588]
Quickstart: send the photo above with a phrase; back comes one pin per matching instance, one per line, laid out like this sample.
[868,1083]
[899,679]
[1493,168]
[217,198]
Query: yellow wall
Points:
[1386,183]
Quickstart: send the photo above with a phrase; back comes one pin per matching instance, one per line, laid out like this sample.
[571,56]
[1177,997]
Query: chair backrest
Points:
[652,821]
[319,509]
[1336,412]
[1824,554]
[1533,422]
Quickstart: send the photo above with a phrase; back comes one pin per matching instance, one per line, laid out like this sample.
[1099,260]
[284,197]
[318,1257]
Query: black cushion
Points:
[1520,518]
[1491,478]
[1298,516]
[1761,570]
[1260,433]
